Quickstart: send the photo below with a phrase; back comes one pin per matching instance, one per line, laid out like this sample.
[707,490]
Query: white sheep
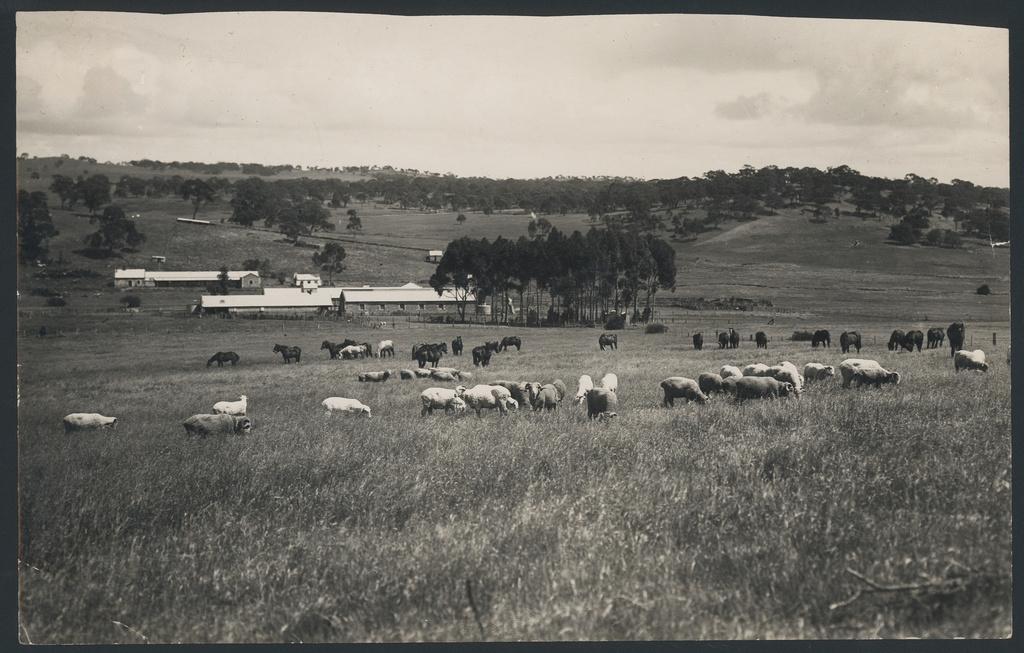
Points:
[231,407]
[585,383]
[610,382]
[444,398]
[849,367]
[87,421]
[818,372]
[483,396]
[729,370]
[343,405]
[755,369]
[970,360]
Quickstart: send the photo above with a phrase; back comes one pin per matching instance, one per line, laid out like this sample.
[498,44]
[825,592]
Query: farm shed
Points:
[361,300]
[410,298]
[274,300]
[141,278]
[306,281]
[434,256]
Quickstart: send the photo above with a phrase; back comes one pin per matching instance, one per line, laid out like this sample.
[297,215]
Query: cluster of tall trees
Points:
[583,276]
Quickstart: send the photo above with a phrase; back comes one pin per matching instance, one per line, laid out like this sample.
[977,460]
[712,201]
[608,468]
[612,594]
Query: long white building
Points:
[358,300]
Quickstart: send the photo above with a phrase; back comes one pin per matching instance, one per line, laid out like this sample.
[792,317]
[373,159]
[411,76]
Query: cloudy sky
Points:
[653,96]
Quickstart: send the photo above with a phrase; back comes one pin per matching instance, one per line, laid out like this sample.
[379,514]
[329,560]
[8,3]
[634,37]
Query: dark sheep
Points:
[678,387]
[600,403]
[762,387]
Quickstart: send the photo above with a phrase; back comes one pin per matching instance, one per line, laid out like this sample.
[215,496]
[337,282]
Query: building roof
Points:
[399,296]
[181,275]
[325,297]
[301,276]
[279,298]
[435,252]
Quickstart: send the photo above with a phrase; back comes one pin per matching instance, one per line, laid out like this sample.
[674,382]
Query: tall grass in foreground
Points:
[717,521]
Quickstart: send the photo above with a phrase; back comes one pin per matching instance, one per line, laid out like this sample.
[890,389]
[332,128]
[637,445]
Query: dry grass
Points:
[722,521]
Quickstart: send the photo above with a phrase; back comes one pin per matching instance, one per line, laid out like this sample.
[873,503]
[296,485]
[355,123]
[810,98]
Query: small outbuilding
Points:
[434,255]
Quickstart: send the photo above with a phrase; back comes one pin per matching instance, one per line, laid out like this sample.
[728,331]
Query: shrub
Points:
[657,327]
[615,322]
[802,336]
[131,301]
[983,289]
[952,239]
[56,301]
[934,237]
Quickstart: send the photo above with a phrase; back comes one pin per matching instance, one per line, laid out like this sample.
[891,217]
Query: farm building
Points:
[141,278]
[434,256]
[363,300]
[306,281]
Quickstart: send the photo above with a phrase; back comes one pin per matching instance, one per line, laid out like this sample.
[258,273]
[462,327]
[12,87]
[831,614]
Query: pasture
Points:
[722,521]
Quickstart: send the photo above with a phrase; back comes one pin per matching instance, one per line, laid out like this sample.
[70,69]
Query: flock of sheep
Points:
[755,381]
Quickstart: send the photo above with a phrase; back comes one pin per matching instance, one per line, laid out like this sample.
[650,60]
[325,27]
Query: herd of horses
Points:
[899,340]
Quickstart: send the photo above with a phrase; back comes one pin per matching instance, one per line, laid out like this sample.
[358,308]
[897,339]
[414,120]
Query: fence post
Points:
[993,338]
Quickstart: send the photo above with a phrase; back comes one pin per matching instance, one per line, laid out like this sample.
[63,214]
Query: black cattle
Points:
[610,340]
[723,340]
[955,333]
[895,339]
[510,341]
[911,339]
[936,336]
[222,357]
[849,339]
[288,353]
[457,346]
[761,338]
[821,337]
[481,356]
[734,339]
[698,341]
[429,354]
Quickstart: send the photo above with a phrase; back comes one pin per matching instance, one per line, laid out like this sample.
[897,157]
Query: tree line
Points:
[584,276]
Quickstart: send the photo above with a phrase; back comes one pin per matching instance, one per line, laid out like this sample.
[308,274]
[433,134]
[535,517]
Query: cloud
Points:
[745,107]
[105,92]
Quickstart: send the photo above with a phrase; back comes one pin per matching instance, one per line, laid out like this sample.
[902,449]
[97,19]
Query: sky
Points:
[647,96]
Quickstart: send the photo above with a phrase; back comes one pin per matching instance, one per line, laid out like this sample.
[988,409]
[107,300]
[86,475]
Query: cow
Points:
[87,421]
[698,341]
[511,341]
[955,334]
[762,387]
[895,339]
[936,337]
[849,339]
[912,339]
[734,339]
[678,387]
[457,346]
[222,357]
[289,353]
[204,425]
[821,337]
[723,340]
[970,360]
[610,340]
[481,356]
[761,340]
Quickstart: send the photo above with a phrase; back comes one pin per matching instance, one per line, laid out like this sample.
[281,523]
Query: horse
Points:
[222,357]
[288,353]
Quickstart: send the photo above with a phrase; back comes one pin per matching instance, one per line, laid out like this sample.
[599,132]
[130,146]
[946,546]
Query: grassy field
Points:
[719,521]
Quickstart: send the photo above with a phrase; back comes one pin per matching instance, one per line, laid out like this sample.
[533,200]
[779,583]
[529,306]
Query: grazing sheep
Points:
[729,385]
[421,373]
[231,407]
[710,382]
[444,398]
[547,397]
[818,372]
[443,376]
[851,365]
[585,383]
[875,376]
[762,387]
[434,371]
[560,387]
[729,370]
[610,382]
[375,377]
[385,348]
[204,425]
[519,390]
[970,360]
[787,373]
[343,405]
[490,397]
[87,421]
[679,387]
[600,402]
[405,375]
[756,369]
[512,404]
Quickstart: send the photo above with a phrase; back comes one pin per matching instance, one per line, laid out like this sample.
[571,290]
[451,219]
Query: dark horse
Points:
[761,339]
[288,353]
[481,356]
[955,334]
[429,354]
[457,346]
[510,341]
[222,357]
[698,341]
[610,340]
